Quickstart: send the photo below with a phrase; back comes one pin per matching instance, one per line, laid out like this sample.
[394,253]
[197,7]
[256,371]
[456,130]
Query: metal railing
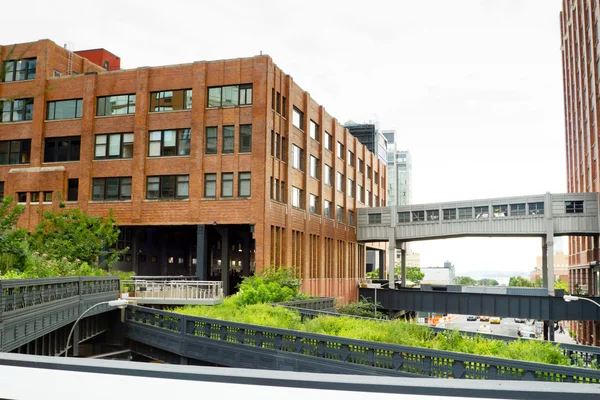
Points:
[174,290]
[165,278]
[252,346]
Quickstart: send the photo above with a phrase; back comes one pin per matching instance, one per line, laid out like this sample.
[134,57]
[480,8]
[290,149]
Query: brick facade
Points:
[268,112]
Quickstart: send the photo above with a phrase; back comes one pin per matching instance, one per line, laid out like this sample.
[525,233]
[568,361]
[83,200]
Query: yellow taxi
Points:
[494,320]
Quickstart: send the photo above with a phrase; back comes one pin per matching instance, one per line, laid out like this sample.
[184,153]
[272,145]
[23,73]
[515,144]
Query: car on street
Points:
[484,318]
[526,332]
[485,328]
[495,320]
[472,318]
[520,320]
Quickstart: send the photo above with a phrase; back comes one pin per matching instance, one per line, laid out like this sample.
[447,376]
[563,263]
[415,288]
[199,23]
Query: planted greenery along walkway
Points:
[394,332]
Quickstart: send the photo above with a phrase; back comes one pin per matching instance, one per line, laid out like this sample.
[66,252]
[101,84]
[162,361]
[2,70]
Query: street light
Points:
[120,303]
[569,298]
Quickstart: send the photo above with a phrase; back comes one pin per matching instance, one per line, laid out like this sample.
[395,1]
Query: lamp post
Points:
[120,303]
[569,298]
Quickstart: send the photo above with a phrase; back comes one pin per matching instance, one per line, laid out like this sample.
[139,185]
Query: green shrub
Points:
[271,285]
[361,308]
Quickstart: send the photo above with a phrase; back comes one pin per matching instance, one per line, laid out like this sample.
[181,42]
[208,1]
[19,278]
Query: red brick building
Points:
[212,168]
[581,76]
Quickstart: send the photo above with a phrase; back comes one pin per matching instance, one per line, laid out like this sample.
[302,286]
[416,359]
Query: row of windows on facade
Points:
[174,100]
[157,187]
[172,142]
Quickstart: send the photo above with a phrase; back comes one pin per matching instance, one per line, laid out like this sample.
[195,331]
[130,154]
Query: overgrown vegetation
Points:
[271,285]
[413,274]
[520,281]
[361,308]
[65,243]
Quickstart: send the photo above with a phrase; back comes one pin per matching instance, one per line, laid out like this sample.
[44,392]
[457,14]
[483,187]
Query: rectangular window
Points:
[418,216]
[227,184]
[449,214]
[328,175]
[328,141]
[339,214]
[574,207]
[500,211]
[19,70]
[230,96]
[536,208]
[314,130]
[16,110]
[481,212]
[167,187]
[517,209]
[15,151]
[64,109]
[112,189]
[273,99]
[114,145]
[376,180]
[369,171]
[283,106]
[327,209]
[73,192]
[62,149]
[403,217]
[245,138]
[351,221]
[361,166]
[170,142]
[361,194]
[339,182]
[313,205]
[211,140]
[115,105]
[210,185]
[340,150]
[22,197]
[369,199]
[278,103]
[244,184]
[35,197]
[1,189]
[171,100]
[465,213]
[297,197]
[297,157]
[350,158]
[351,188]
[276,145]
[376,218]
[228,139]
[314,167]
[47,197]
[433,215]
[298,118]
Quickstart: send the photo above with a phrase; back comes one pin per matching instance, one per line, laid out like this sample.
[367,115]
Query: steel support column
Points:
[224,231]
[544,263]
[391,259]
[403,263]
[201,264]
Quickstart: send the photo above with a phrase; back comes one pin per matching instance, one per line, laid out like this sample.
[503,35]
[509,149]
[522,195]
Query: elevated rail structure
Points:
[35,312]
[177,338]
[174,292]
[147,380]
[544,216]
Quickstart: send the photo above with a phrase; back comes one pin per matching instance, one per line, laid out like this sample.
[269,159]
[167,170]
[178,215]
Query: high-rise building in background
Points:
[371,137]
[392,188]
[581,73]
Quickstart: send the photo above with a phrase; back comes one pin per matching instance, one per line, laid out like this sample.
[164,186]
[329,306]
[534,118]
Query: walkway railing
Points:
[174,291]
[252,346]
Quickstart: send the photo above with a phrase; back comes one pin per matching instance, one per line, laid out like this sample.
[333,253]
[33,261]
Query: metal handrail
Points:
[171,289]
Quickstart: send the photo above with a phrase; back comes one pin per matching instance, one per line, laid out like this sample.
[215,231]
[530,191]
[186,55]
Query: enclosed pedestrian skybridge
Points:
[545,216]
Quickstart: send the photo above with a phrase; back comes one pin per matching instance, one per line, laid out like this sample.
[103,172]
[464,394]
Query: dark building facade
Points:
[581,72]
[374,140]
[216,169]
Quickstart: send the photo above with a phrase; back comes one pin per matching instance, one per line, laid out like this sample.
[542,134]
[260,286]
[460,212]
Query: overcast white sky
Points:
[473,88]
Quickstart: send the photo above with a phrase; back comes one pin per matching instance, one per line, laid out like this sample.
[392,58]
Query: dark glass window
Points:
[339,214]
[115,105]
[228,139]
[73,192]
[574,207]
[227,184]
[19,70]
[62,149]
[47,197]
[111,189]
[114,145]
[245,138]
[210,185]
[298,118]
[404,217]
[171,100]
[15,151]
[171,142]
[536,208]
[1,189]
[16,110]
[64,109]
[314,130]
[22,197]
[244,179]
[167,187]
[230,96]
[211,140]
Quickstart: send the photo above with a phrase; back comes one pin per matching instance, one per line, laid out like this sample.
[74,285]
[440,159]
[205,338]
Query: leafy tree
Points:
[488,282]
[561,285]
[13,243]
[413,274]
[465,280]
[520,282]
[74,235]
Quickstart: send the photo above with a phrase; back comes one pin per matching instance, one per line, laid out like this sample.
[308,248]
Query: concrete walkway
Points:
[563,338]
